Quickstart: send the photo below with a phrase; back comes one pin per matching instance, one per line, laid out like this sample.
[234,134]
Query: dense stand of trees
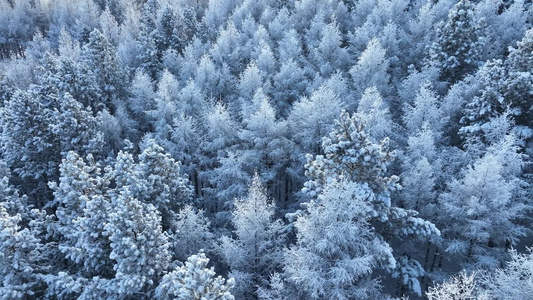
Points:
[312,149]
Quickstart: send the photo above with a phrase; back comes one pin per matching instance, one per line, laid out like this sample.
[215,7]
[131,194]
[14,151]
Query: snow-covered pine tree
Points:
[459,287]
[76,128]
[168,29]
[166,106]
[22,264]
[101,57]
[22,251]
[376,115]
[194,281]
[109,26]
[150,40]
[481,209]
[424,110]
[519,82]
[490,103]
[266,146]
[142,101]
[185,144]
[140,248]
[505,87]
[67,75]
[81,207]
[31,146]
[419,186]
[459,44]
[371,69]
[10,197]
[350,154]
[330,55]
[220,167]
[337,249]
[163,184]
[192,233]
[422,170]
[250,82]
[514,280]
[289,84]
[312,118]
[255,251]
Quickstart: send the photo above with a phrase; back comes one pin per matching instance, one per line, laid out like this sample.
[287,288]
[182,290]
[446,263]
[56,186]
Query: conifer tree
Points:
[519,83]
[28,146]
[330,56]
[424,110]
[288,85]
[422,171]
[371,69]
[150,40]
[266,147]
[350,154]
[23,252]
[483,206]
[109,26]
[55,124]
[192,233]
[512,281]
[505,87]
[255,251]
[168,29]
[462,286]
[22,265]
[76,128]
[222,168]
[376,115]
[312,118]
[139,247]
[81,206]
[336,248]
[101,57]
[161,182]
[249,84]
[69,76]
[195,281]
[142,102]
[459,44]
[489,103]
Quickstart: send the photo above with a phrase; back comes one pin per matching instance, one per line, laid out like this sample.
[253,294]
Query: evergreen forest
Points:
[266,149]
